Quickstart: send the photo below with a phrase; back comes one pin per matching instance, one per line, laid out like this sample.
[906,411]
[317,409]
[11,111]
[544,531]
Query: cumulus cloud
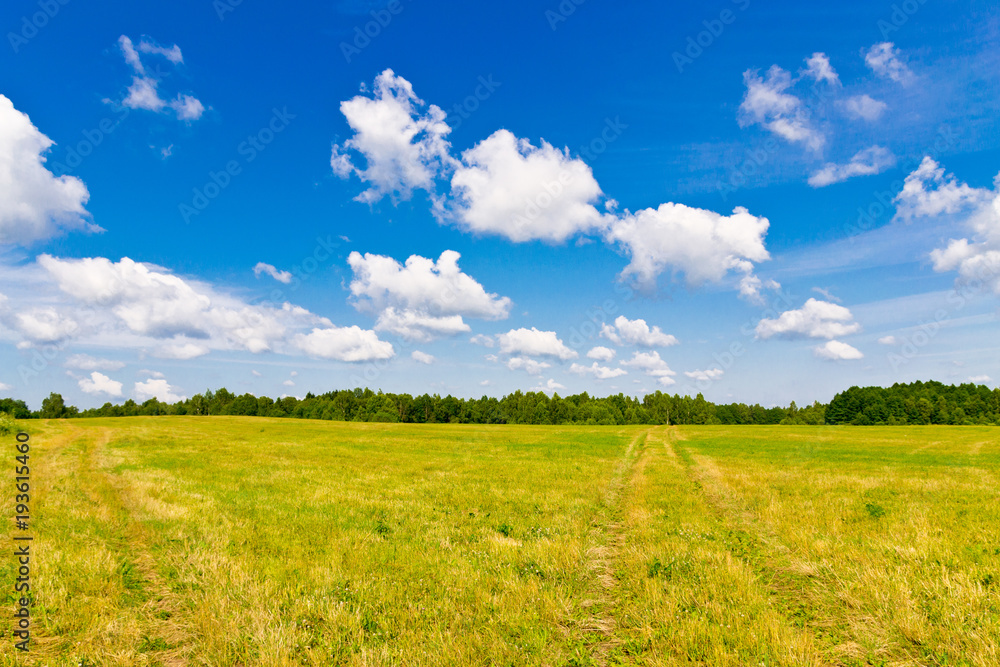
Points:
[598,371]
[863,107]
[818,67]
[928,191]
[636,332]
[508,187]
[884,59]
[85,362]
[96,301]
[705,375]
[701,244]
[159,389]
[181,351]
[422,299]
[531,366]
[482,339]
[550,386]
[344,344]
[40,325]
[422,357]
[652,365]
[816,319]
[34,203]
[834,350]
[888,340]
[980,379]
[281,276]
[532,342]
[98,383]
[601,353]
[768,103]
[865,162]
[143,92]
[403,144]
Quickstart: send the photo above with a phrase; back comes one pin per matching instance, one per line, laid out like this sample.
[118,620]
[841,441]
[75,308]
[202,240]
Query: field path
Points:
[161,613]
[606,538]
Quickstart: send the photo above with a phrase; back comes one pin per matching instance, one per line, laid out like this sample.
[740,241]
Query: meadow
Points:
[254,541]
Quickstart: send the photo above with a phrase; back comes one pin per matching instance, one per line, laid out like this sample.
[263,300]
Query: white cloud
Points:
[865,162]
[42,325]
[706,375]
[404,147]
[34,203]
[158,389]
[281,276]
[636,332]
[344,344]
[884,60]
[834,350]
[702,244]
[550,386]
[152,374]
[506,186]
[423,299]
[531,366]
[816,319]
[98,383]
[419,326]
[826,294]
[5,387]
[652,365]
[927,191]
[143,92]
[288,383]
[482,339]
[422,357]
[85,362]
[766,102]
[888,340]
[980,379]
[533,342]
[818,67]
[255,373]
[182,351]
[601,353]
[598,371]
[863,107]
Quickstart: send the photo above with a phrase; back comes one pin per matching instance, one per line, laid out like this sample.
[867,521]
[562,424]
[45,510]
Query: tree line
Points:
[916,403]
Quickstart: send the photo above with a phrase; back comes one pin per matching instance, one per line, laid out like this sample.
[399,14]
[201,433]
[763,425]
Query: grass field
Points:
[244,541]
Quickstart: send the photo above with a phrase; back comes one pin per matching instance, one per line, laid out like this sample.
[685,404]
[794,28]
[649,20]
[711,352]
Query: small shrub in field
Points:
[7,424]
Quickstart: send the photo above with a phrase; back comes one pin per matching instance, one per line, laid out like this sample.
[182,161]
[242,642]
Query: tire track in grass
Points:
[763,551]
[605,538]
[165,637]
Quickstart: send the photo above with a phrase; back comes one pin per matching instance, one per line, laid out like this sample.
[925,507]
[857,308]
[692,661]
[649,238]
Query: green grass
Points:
[243,541]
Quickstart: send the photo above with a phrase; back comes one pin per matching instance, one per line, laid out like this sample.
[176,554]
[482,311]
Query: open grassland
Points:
[245,541]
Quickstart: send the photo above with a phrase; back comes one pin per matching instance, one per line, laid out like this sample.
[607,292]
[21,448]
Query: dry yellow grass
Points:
[242,541]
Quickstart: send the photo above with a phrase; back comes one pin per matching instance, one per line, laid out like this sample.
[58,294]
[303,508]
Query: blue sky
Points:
[762,202]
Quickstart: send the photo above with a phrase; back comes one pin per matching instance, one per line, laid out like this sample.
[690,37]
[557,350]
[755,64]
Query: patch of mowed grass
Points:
[279,542]
[882,543]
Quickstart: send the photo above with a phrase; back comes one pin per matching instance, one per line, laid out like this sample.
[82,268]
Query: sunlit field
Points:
[246,541]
